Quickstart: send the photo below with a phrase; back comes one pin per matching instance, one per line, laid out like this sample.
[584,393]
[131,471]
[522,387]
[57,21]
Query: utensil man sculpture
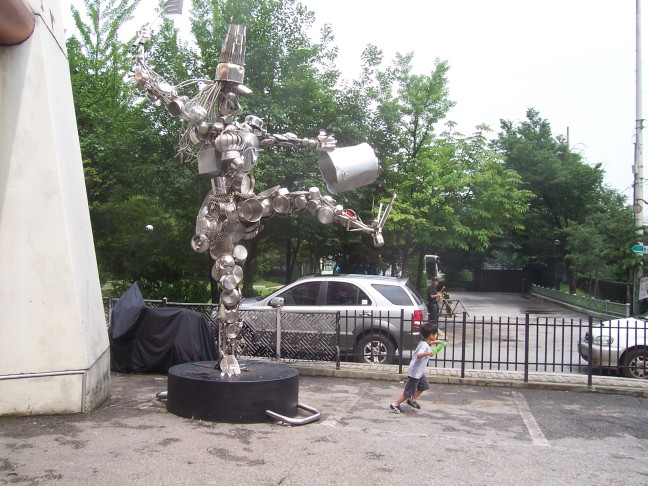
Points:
[227,150]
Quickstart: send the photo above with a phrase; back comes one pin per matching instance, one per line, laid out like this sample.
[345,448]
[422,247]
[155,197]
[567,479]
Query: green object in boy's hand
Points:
[439,347]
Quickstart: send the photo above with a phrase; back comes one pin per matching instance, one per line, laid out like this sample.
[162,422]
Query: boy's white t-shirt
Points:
[417,365]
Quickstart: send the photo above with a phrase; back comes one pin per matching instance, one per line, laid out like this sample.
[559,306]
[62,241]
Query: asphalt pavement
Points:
[487,427]
[497,304]
[476,435]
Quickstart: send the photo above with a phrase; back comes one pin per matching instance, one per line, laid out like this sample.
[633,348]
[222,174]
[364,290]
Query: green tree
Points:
[98,61]
[407,107]
[132,176]
[453,191]
[564,187]
[599,247]
[476,199]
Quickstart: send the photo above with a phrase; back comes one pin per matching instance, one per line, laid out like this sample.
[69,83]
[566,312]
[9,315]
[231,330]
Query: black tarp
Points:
[149,340]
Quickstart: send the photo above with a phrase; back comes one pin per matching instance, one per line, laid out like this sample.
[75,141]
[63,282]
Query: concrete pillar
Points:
[54,352]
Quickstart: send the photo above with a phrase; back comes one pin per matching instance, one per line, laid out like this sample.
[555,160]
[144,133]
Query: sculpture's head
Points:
[231,68]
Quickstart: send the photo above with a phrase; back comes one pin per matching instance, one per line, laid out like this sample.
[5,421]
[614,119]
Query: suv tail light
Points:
[417,319]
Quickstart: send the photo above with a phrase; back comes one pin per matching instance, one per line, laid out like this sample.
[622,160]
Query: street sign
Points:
[640,249]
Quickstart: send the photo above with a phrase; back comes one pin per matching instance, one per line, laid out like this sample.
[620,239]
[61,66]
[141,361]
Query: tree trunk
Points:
[288,261]
[571,280]
[406,253]
[394,266]
[291,258]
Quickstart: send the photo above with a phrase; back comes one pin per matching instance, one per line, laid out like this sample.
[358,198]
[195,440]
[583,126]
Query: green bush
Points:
[183,290]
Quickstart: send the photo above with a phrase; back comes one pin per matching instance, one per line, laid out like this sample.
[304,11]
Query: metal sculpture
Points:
[227,150]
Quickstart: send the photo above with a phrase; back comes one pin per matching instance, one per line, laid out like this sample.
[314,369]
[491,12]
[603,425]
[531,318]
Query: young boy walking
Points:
[417,382]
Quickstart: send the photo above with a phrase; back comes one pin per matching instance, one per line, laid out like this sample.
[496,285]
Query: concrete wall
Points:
[53,340]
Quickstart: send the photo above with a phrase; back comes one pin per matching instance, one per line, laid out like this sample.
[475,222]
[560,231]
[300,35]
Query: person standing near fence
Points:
[434,296]
[417,382]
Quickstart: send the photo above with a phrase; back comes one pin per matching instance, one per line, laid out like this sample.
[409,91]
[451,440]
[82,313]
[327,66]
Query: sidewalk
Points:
[514,379]
[483,435]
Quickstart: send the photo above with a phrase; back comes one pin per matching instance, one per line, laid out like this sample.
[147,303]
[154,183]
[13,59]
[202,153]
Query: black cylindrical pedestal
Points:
[199,391]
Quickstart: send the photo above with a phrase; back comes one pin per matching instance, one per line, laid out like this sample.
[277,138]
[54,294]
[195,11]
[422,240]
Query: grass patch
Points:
[265,287]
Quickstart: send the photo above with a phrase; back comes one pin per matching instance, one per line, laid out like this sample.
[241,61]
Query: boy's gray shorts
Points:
[414,384]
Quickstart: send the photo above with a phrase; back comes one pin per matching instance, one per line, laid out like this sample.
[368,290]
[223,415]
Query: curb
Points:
[624,389]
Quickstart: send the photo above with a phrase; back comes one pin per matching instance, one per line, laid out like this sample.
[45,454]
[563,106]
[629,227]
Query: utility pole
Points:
[638,203]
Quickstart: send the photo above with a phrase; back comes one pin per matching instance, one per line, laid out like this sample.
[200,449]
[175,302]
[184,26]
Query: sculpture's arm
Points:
[322,142]
[280,200]
[157,88]
[329,211]
[145,78]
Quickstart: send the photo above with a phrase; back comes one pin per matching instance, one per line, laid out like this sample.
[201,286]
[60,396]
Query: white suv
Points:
[371,308]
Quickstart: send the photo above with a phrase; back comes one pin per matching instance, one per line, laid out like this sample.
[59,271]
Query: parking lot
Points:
[463,435]
[497,304]
[469,433]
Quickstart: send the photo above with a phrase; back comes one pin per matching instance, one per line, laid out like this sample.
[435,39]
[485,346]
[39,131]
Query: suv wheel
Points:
[375,349]
[635,365]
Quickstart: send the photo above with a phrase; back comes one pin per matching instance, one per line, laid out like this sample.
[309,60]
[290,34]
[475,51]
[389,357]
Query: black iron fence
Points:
[539,344]
[512,344]
[544,344]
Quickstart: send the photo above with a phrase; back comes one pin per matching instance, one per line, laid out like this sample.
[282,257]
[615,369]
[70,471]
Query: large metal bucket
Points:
[348,168]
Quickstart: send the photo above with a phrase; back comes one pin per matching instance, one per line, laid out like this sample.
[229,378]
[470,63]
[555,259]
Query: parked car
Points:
[619,344]
[371,310]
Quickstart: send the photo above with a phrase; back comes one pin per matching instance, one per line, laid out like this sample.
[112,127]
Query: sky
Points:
[574,61]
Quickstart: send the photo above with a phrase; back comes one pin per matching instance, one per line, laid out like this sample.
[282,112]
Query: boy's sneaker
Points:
[395,408]
[413,403]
